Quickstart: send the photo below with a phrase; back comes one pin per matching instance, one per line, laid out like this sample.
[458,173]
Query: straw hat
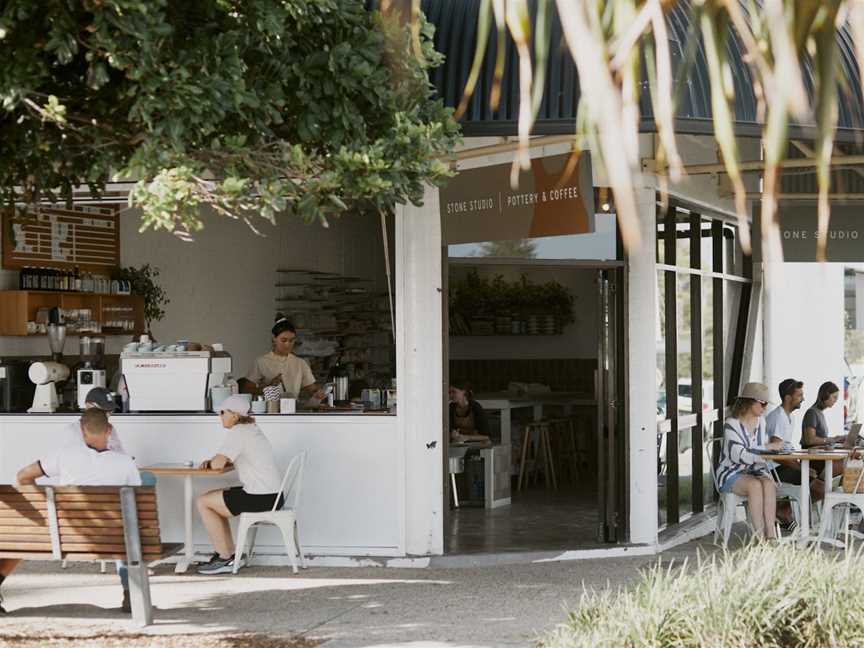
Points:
[756,391]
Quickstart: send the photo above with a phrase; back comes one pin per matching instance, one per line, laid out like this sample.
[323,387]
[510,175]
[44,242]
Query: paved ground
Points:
[504,605]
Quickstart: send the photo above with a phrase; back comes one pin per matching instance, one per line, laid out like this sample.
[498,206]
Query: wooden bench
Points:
[86,524]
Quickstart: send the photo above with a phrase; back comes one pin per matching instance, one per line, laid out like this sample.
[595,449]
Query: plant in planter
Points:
[143,281]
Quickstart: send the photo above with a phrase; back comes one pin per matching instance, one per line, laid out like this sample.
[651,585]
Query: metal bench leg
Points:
[139,580]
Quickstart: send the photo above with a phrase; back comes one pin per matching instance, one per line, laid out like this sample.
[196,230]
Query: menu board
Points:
[86,237]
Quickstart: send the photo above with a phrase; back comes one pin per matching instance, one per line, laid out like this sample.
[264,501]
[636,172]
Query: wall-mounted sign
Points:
[799,235]
[86,236]
[554,197]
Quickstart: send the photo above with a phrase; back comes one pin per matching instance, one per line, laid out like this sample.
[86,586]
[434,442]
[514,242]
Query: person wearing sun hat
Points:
[248,449]
[740,470]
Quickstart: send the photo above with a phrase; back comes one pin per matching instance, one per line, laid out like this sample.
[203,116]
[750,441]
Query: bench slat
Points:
[20,546]
[96,532]
[33,507]
[18,520]
[107,515]
[7,538]
[75,538]
[113,499]
[36,530]
[96,490]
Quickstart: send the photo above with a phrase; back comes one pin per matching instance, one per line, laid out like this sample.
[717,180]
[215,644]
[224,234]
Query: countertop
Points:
[140,414]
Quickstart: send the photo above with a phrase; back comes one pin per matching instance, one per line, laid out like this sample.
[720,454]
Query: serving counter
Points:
[352,501]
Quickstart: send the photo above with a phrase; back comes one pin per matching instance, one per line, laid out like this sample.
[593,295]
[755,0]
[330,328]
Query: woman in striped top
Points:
[743,472]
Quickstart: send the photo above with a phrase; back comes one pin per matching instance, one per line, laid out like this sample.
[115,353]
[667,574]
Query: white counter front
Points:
[352,501]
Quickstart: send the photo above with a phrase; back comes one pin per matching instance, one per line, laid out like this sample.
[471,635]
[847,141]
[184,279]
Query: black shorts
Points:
[789,475]
[239,501]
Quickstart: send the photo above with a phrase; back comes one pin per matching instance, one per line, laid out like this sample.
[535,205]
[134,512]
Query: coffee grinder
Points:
[92,371]
[45,375]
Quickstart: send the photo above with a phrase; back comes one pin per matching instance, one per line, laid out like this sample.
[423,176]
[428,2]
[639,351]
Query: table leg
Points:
[188,548]
[506,427]
[804,498]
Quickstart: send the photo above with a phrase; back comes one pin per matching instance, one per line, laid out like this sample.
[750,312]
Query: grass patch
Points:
[760,596]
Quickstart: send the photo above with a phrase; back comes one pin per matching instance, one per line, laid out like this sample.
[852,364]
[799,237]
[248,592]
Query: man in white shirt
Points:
[91,463]
[100,398]
[778,425]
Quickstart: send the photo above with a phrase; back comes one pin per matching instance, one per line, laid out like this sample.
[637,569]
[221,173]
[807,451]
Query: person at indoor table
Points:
[281,367]
[468,420]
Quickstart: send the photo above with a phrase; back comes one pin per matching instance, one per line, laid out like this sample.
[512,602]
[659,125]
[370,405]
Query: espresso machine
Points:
[92,371]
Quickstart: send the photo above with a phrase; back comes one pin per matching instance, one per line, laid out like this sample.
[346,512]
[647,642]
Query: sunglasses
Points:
[763,403]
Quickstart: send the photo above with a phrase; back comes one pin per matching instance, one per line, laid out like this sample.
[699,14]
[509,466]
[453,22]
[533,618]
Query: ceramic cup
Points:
[272,406]
[259,407]
[287,405]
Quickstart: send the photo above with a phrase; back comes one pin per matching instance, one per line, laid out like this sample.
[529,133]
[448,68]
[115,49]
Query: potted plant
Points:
[143,282]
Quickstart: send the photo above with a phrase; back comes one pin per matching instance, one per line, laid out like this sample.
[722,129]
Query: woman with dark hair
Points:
[814,428]
[281,367]
[740,470]
[467,418]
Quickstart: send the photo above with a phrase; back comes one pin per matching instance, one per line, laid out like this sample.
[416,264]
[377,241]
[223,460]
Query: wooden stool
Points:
[536,443]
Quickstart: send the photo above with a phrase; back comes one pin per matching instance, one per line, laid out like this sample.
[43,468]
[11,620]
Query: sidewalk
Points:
[502,605]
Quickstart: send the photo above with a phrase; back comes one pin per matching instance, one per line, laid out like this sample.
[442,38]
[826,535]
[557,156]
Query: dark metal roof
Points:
[456,35]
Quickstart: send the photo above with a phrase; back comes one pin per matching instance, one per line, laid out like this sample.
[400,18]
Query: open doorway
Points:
[538,344]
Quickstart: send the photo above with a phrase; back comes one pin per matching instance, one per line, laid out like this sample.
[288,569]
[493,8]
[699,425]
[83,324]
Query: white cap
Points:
[235,404]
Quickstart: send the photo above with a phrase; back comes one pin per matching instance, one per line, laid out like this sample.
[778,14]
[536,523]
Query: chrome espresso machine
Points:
[172,381]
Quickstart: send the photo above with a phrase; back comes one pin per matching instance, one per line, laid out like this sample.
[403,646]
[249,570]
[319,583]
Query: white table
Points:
[803,534]
[187,557]
[505,402]
[492,457]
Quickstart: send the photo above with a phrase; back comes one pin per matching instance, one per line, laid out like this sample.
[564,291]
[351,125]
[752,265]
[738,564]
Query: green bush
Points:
[762,596]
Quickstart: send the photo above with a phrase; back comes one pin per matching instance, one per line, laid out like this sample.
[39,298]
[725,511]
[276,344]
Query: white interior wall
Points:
[578,340]
[803,334]
[221,285]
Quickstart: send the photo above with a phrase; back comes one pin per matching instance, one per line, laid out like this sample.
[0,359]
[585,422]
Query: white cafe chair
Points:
[729,502]
[285,519]
[827,527]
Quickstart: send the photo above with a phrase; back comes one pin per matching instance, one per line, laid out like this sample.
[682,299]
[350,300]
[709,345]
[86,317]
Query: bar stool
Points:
[536,448]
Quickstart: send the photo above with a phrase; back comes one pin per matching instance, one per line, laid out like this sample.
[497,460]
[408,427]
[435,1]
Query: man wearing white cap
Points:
[252,455]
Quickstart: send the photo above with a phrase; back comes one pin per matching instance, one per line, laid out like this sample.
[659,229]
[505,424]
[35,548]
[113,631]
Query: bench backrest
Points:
[87,520]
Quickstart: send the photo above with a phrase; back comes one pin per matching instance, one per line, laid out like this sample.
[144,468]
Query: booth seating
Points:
[86,524]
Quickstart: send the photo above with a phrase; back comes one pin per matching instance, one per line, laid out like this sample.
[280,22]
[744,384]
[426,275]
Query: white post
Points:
[642,379]
[420,358]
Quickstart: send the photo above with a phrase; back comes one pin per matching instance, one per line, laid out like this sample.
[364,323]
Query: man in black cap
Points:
[100,398]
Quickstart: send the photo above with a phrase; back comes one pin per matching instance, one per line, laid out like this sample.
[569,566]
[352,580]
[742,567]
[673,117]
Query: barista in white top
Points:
[281,367]
[251,453]
[100,398]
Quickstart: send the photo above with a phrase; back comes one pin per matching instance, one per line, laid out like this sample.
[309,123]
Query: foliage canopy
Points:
[252,106]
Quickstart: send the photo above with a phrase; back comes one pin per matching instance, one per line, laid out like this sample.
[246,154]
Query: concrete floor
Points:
[537,520]
[499,605]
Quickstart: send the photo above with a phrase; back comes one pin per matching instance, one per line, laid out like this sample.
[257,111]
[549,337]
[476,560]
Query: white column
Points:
[420,358]
[642,379]
[804,332]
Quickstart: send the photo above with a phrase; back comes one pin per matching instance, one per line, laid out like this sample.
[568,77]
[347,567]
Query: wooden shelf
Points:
[17,307]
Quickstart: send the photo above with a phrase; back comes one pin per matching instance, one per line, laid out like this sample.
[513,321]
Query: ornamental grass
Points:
[759,596]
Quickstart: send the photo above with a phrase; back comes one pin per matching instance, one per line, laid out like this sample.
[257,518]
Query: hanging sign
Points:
[555,197]
[799,233]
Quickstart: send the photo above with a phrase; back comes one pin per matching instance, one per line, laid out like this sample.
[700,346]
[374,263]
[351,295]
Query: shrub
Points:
[761,596]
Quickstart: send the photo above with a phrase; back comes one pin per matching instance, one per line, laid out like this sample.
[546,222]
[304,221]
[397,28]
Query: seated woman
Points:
[468,421]
[252,455]
[741,471]
[814,427]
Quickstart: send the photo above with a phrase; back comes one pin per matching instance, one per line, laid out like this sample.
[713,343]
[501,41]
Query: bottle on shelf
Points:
[76,278]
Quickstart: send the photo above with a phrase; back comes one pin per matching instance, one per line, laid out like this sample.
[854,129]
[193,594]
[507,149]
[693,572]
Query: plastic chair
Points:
[285,519]
[832,499]
[728,501]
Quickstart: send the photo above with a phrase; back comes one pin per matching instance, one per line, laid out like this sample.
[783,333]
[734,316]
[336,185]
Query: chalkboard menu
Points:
[86,237]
